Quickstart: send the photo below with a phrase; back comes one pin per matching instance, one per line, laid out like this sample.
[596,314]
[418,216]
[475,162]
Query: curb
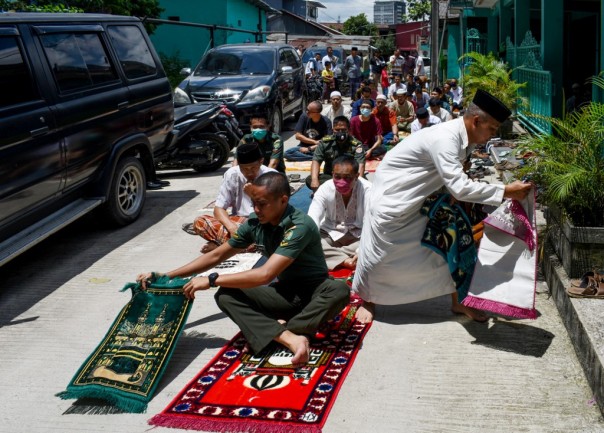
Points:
[581,320]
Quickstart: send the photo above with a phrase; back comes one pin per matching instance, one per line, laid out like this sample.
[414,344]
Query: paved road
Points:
[420,369]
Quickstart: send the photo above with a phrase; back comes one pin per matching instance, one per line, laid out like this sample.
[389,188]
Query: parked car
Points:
[249,78]
[85,103]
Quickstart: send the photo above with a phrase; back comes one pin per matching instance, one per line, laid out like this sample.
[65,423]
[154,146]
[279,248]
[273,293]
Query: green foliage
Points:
[419,10]
[386,44]
[172,65]
[359,25]
[492,75]
[139,8]
[570,163]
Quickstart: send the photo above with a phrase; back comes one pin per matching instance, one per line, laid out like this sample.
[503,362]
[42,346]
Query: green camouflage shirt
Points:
[329,149]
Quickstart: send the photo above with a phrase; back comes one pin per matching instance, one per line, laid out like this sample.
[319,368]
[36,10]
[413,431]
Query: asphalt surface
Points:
[420,369]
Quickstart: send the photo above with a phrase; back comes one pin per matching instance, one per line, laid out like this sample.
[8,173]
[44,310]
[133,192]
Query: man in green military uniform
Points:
[270,143]
[288,297]
[332,146]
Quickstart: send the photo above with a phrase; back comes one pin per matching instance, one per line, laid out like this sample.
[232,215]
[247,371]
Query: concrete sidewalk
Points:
[421,369]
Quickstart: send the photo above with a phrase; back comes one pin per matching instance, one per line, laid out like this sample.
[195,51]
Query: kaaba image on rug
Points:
[126,366]
[264,393]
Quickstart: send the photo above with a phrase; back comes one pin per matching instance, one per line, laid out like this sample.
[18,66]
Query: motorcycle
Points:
[314,85]
[202,138]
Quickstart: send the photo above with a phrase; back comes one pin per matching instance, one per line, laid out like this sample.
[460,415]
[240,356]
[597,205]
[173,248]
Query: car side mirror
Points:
[185,72]
[286,70]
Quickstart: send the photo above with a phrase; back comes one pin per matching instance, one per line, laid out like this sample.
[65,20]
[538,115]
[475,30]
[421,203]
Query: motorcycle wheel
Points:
[221,152]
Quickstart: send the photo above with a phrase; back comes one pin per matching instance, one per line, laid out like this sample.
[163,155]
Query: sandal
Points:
[506,165]
[589,288]
[294,177]
[583,281]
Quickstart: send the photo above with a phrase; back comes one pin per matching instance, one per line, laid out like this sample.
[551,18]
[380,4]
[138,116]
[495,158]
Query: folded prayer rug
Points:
[264,393]
[127,365]
[505,276]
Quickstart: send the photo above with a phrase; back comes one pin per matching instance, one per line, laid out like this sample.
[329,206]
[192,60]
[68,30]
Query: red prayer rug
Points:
[264,393]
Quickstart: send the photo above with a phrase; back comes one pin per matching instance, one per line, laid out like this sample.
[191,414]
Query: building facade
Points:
[388,12]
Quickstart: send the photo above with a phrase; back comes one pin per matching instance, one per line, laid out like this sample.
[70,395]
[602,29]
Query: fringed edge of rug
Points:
[499,308]
[244,425]
[124,403]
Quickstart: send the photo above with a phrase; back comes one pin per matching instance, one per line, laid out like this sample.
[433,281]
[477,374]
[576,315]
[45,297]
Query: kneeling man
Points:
[338,208]
[288,297]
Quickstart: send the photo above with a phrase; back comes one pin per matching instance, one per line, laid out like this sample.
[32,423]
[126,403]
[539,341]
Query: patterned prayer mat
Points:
[127,365]
[240,392]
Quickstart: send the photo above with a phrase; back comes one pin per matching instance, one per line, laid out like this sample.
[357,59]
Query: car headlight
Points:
[181,97]
[259,94]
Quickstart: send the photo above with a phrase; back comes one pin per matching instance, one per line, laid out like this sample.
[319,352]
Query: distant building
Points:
[307,9]
[388,12]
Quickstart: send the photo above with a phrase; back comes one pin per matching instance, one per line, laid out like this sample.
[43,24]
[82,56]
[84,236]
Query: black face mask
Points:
[453,86]
[341,136]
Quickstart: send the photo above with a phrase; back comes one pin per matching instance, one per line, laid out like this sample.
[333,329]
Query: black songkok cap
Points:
[248,153]
[422,113]
[491,105]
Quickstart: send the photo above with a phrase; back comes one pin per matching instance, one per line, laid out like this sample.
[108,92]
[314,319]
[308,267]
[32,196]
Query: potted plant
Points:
[488,73]
[569,167]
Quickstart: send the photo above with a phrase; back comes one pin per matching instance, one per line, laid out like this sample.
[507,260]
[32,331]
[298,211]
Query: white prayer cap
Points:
[381,96]
[335,93]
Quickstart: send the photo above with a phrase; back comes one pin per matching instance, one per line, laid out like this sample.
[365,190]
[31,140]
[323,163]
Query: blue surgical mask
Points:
[259,134]
[365,112]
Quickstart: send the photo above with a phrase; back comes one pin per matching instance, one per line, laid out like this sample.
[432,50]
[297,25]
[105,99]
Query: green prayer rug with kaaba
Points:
[127,365]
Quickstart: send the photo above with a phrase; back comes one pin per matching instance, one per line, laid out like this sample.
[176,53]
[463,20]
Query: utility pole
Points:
[434,49]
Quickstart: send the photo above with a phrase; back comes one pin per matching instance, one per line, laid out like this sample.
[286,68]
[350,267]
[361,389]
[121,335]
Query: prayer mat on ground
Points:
[263,393]
[370,165]
[301,199]
[127,365]
[505,276]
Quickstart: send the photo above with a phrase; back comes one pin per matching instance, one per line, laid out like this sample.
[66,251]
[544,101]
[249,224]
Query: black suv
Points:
[249,77]
[84,103]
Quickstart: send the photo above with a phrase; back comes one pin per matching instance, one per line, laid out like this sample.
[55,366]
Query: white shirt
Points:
[329,112]
[457,93]
[416,126]
[393,88]
[329,213]
[231,193]
[393,267]
[443,115]
[419,66]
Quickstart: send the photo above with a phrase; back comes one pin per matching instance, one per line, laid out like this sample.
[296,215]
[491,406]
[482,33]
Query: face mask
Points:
[365,112]
[343,186]
[259,134]
[341,136]
[453,85]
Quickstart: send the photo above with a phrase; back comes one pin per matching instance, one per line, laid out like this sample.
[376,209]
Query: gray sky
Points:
[345,9]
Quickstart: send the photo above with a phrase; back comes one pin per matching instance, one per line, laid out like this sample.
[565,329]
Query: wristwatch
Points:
[212,279]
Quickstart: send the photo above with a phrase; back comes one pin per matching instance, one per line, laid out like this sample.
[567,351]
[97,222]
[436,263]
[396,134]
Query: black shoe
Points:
[154,185]
[162,182]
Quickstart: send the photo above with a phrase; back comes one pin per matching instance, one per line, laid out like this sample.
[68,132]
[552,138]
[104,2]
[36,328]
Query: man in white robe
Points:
[393,268]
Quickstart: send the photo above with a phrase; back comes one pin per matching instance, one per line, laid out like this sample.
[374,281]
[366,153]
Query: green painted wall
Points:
[193,42]
[453,51]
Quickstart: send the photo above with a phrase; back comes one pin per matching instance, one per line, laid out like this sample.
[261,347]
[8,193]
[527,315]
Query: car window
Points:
[15,77]
[236,63]
[78,60]
[133,52]
[288,58]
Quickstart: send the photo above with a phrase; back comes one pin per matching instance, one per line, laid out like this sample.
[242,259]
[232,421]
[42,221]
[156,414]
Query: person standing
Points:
[328,81]
[376,65]
[457,93]
[331,57]
[393,267]
[396,64]
[352,66]
[419,66]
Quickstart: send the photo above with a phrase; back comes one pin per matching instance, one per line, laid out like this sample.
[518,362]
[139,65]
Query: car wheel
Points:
[277,121]
[128,192]
[218,152]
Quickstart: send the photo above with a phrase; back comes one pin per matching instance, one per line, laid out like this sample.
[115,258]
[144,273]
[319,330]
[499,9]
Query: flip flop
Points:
[589,288]
[294,177]
[584,280]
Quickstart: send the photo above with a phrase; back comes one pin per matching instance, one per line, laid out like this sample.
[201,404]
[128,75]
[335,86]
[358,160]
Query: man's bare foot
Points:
[472,313]
[366,312]
[209,246]
[297,344]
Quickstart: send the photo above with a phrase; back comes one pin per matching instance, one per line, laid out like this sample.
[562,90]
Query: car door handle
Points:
[39,131]
[123,105]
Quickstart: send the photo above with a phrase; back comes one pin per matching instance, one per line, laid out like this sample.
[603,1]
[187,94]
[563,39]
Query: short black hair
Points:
[438,90]
[339,119]
[346,159]
[434,102]
[276,183]
[366,89]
